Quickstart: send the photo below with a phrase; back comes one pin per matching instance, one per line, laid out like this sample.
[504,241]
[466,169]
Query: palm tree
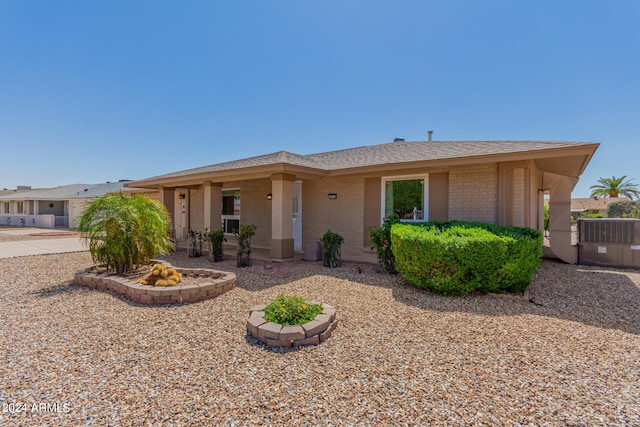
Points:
[125,231]
[615,187]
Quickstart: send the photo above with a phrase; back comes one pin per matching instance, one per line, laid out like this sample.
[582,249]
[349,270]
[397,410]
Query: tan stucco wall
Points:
[255,208]
[439,196]
[473,193]
[372,211]
[518,194]
[196,209]
[344,216]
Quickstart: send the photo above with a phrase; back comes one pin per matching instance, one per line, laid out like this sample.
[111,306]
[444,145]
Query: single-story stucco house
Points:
[53,207]
[294,199]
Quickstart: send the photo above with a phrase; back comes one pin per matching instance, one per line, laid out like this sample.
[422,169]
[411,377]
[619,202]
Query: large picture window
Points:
[7,207]
[405,198]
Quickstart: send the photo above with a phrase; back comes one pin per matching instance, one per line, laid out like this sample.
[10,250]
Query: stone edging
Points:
[276,335]
[221,282]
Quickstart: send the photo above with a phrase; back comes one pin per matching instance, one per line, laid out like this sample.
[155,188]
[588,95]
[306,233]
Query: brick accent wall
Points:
[473,193]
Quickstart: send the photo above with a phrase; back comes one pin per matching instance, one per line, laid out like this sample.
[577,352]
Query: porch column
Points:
[212,205]
[282,217]
[560,188]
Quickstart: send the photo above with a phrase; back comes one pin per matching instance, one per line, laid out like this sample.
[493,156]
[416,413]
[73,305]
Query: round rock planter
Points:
[276,335]
[214,283]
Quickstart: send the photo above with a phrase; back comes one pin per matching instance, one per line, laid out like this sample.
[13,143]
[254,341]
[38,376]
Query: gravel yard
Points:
[400,355]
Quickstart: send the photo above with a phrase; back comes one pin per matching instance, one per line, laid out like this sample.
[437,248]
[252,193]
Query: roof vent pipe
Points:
[430,135]
[398,139]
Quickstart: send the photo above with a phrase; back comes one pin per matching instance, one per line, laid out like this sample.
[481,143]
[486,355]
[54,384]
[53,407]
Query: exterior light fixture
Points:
[333,196]
[269,196]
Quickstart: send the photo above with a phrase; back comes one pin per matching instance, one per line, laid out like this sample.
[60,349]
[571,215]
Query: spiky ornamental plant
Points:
[615,187]
[125,231]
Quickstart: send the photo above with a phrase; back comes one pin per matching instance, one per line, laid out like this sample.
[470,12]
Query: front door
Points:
[181,209]
[297,216]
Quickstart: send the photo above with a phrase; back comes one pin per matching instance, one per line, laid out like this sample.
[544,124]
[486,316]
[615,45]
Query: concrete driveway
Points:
[17,248]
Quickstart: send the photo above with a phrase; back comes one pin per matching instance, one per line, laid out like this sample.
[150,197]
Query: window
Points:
[7,207]
[20,207]
[405,198]
[231,211]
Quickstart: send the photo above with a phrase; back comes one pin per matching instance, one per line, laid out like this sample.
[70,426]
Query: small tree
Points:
[622,209]
[194,243]
[125,231]
[331,249]
[546,220]
[244,245]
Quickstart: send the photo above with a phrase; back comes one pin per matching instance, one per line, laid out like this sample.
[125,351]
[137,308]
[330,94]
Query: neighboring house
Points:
[294,199]
[593,205]
[52,207]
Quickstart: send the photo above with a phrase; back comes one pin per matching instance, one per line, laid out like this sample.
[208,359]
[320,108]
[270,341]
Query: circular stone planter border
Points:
[276,335]
[220,283]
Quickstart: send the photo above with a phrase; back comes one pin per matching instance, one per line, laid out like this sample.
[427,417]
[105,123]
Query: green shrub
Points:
[244,245]
[214,240]
[125,231]
[590,214]
[381,240]
[456,258]
[622,209]
[290,310]
[331,243]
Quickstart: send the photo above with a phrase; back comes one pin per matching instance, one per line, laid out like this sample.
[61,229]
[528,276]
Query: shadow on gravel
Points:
[258,344]
[53,290]
[596,296]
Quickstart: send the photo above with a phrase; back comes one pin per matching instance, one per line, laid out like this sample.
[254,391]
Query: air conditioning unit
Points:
[610,242]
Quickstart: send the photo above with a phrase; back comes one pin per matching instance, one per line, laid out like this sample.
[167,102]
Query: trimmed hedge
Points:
[456,258]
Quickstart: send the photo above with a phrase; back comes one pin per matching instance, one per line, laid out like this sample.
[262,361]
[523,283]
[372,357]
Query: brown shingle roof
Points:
[592,204]
[381,154]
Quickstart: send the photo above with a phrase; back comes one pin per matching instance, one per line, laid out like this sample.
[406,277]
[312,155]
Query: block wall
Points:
[473,193]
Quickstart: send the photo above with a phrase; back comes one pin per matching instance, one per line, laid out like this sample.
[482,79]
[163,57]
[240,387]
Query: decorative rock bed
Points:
[217,283]
[276,335]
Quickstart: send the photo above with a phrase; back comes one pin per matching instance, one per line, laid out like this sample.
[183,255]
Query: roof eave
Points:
[263,171]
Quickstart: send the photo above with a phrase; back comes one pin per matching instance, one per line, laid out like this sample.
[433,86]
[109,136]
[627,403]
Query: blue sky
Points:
[95,91]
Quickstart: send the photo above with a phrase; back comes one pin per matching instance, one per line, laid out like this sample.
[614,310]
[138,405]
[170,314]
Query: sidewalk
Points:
[41,247]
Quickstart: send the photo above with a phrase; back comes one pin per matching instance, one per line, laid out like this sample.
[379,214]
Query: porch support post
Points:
[282,217]
[560,188]
[212,205]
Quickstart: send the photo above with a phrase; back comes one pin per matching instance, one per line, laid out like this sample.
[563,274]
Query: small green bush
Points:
[214,239]
[381,240]
[290,310]
[590,214]
[456,258]
[331,243]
